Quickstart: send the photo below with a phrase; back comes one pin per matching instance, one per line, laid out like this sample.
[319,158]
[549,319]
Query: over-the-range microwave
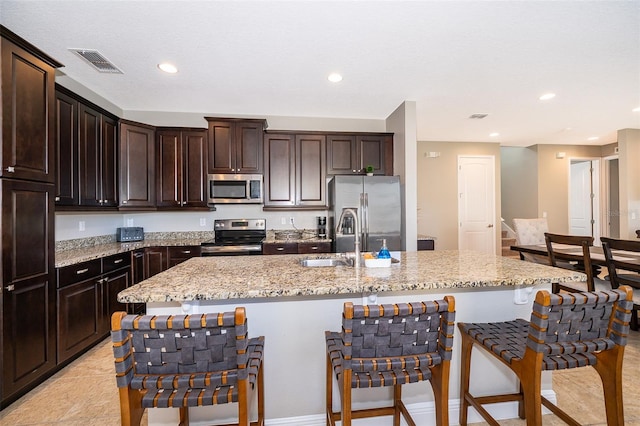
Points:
[235,188]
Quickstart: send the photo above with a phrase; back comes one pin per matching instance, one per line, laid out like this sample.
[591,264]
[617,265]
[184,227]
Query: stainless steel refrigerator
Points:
[377,200]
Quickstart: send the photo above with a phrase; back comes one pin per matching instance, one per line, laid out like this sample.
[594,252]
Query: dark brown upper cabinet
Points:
[295,174]
[28,103]
[235,145]
[67,191]
[98,139]
[181,168]
[349,154]
[137,165]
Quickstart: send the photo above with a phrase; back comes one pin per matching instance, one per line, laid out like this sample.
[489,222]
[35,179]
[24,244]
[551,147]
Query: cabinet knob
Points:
[11,169]
[233,170]
[124,201]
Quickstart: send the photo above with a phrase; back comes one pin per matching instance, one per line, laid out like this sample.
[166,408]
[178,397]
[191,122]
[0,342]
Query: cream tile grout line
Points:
[85,392]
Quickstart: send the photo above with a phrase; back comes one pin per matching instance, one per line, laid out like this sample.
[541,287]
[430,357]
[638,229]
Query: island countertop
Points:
[243,277]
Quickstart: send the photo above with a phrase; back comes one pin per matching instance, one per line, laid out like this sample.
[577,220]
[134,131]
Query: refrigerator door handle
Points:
[366,220]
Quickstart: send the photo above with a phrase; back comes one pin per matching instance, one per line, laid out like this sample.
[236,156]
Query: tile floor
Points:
[85,393]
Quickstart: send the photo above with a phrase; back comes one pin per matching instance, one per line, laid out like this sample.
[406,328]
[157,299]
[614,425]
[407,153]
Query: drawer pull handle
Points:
[11,169]
[280,248]
[186,251]
[10,287]
[314,247]
[82,271]
[117,261]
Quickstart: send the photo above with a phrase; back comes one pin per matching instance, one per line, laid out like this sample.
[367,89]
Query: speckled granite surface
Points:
[308,236]
[242,277]
[70,252]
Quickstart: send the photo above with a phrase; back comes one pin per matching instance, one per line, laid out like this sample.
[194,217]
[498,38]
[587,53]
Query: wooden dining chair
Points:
[556,242]
[624,270]
[566,330]
[390,345]
[185,361]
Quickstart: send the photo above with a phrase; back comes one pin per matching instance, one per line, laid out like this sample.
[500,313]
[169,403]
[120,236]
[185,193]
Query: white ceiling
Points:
[453,58]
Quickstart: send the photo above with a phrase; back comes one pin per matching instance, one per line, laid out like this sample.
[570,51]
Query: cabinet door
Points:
[342,157]
[155,261]
[248,146]
[137,165]
[179,254]
[194,146]
[78,318]
[28,115]
[169,177]
[90,156]
[221,147]
[279,163]
[311,170]
[66,150]
[28,284]
[137,275]
[108,159]
[112,284]
[371,152]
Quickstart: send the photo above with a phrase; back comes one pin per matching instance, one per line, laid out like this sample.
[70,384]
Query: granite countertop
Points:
[83,254]
[306,236]
[242,277]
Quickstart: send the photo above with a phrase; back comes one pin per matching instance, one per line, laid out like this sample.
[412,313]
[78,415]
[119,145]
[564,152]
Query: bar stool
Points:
[566,330]
[390,345]
[185,361]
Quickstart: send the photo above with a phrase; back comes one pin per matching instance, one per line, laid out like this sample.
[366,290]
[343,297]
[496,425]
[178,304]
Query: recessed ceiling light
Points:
[494,134]
[168,68]
[636,109]
[593,138]
[547,96]
[334,77]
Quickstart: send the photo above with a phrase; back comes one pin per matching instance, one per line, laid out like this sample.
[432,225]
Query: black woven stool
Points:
[566,330]
[186,361]
[390,345]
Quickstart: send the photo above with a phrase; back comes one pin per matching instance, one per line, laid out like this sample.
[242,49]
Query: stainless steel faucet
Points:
[356,231]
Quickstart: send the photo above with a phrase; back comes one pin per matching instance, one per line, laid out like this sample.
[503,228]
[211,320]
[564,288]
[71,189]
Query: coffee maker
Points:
[322,227]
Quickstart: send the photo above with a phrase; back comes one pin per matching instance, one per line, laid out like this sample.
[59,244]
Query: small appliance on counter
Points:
[322,227]
[129,233]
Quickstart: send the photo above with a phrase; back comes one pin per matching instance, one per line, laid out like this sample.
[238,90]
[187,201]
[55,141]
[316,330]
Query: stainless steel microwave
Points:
[235,188]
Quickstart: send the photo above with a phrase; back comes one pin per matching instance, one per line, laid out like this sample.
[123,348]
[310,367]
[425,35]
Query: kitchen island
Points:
[292,306]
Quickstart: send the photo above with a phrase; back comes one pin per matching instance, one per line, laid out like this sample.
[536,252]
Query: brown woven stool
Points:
[566,330]
[390,345]
[186,361]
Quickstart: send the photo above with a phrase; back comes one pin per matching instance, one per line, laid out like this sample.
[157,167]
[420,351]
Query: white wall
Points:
[402,122]
[96,224]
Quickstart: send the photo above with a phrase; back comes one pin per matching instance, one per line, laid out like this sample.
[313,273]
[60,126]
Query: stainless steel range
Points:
[236,237]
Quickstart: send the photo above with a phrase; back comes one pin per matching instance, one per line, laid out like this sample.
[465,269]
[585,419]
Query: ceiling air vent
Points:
[99,62]
[478,116]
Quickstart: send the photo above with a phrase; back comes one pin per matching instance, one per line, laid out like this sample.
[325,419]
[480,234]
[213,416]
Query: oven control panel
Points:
[239,224]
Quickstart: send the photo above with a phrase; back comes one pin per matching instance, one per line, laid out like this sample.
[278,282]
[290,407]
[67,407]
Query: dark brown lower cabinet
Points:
[155,261]
[296,248]
[87,297]
[179,254]
[28,294]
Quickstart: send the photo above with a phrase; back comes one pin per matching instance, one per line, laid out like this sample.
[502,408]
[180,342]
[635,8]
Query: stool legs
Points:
[465,366]
[609,367]
[440,386]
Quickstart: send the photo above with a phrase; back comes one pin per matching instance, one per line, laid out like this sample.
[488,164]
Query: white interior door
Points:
[581,198]
[476,204]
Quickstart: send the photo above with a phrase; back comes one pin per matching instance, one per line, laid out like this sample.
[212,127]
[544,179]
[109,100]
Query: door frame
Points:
[596,190]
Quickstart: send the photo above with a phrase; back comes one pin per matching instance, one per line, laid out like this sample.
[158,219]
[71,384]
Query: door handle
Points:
[490,225]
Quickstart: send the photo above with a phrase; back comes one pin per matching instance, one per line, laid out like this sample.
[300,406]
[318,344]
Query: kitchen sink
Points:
[323,262]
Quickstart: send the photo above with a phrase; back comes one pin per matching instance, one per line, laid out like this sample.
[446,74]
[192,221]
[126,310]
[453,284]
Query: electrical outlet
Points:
[203,221]
[81,225]
[283,221]
[291,221]
[129,222]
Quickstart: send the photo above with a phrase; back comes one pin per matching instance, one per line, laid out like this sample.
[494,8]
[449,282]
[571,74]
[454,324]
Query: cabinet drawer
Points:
[78,272]
[183,252]
[116,261]
[280,248]
[318,247]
